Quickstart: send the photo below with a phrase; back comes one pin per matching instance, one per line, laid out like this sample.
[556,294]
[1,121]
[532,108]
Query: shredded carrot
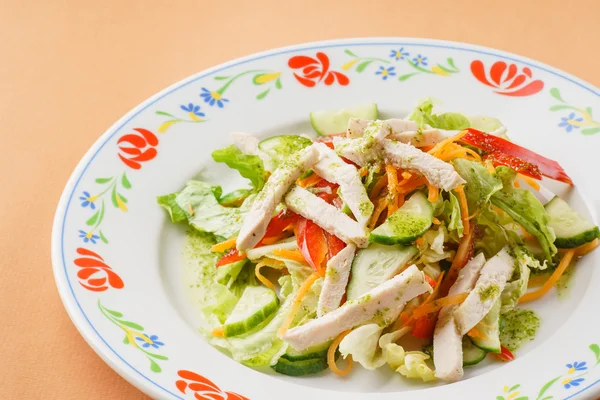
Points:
[331,356]
[438,147]
[526,234]
[297,303]
[274,239]
[476,333]
[309,181]
[473,154]
[436,221]
[191,210]
[363,171]
[412,185]
[392,184]
[226,245]
[294,255]
[218,332]
[419,242]
[464,208]
[378,186]
[516,184]
[401,324]
[530,181]
[470,217]
[433,193]
[586,248]
[459,261]
[435,305]
[562,266]
[426,149]
[261,277]
[378,210]
[406,175]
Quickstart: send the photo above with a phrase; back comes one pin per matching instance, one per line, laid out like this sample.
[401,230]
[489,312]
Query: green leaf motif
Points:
[554,92]
[524,398]
[361,67]
[113,313]
[103,180]
[154,366]
[123,198]
[514,388]
[596,349]
[589,110]
[113,196]
[500,398]
[351,54]
[560,107]
[221,78]
[158,356]
[126,340]
[132,325]
[278,83]
[440,66]
[590,131]
[125,182]
[451,63]
[102,237]
[165,114]
[262,95]
[405,77]
[93,219]
[546,387]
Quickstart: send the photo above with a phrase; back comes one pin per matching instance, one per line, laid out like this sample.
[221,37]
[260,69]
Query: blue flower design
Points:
[192,108]
[567,122]
[88,236]
[420,60]
[150,341]
[87,200]
[213,97]
[577,366]
[385,72]
[567,383]
[399,54]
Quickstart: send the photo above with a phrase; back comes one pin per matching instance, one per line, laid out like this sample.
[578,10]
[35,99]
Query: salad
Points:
[408,243]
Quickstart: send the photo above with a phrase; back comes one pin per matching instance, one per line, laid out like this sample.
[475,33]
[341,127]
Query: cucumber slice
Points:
[488,330]
[570,227]
[376,264]
[331,122]
[472,354]
[407,224]
[279,148]
[300,368]
[318,351]
[255,306]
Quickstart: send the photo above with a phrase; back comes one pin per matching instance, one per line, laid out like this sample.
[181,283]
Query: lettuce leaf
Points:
[484,124]
[494,235]
[249,166]
[169,203]
[481,185]
[455,220]
[517,285]
[526,210]
[423,115]
[507,176]
[208,215]
[363,345]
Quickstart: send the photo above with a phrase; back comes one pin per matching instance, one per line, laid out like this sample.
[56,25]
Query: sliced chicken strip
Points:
[447,341]
[392,294]
[439,173]
[364,149]
[255,223]
[303,202]
[336,279]
[333,169]
[491,283]
[401,130]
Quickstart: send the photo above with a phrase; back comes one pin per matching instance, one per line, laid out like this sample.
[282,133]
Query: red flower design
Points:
[316,70]
[202,388]
[140,149]
[506,79]
[92,266]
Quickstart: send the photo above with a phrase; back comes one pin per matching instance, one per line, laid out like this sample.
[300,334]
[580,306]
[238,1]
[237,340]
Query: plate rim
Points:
[74,309]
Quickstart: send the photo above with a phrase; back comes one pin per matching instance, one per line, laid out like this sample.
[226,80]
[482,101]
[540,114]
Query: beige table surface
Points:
[69,69]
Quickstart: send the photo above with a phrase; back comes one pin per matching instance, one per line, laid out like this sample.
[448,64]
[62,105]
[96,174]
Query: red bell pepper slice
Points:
[334,244]
[313,244]
[492,144]
[520,166]
[424,326]
[231,256]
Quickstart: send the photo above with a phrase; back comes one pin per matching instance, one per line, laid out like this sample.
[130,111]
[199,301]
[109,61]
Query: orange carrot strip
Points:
[586,248]
[378,210]
[309,181]
[562,266]
[261,277]
[297,302]
[226,245]
[433,193]
[437,305]
[274,239]
[530,181]
[412,185]
[438,147]
[464,208]
[294,255]
[218,332]
[459,261]
[331,356]
[379,185]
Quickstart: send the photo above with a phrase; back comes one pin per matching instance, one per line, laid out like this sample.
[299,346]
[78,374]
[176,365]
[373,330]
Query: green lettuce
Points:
[481,185]
[249,166]
[526,210]
[208,215]
[517,284]
[484,124]
[507,176]
[455,220]
[423,115]
[494,234]
[169,203]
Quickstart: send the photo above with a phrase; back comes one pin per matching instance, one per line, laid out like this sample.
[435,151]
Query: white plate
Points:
[138,287]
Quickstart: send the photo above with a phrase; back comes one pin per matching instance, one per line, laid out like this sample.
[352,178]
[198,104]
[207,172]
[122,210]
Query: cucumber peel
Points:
[471,354]
[488,330]
[570,227]
[331,122]
[255,306]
